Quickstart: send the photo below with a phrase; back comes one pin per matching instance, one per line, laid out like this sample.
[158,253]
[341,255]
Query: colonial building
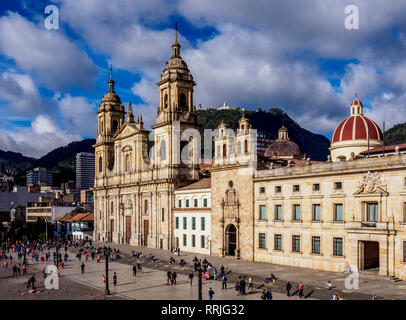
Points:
[193,217]
[133,192]
[278,207]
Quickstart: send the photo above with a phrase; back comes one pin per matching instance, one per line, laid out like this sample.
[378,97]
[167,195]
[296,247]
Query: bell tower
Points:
[110,115]
[176,90]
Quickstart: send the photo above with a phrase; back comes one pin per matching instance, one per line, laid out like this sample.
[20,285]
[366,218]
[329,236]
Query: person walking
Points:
[65,257]
[191,276]
[104,279]
[174,275]
[14,271]
[24,269]
[134,271]
[215,274]
[224,283]
[82,267]
[114,279]
[169,277]
[211,294]
[288,288]
[301,288]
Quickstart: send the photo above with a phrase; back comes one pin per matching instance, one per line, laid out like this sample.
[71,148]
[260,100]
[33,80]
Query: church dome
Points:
[356,126]
[111,95]
[354,134]
[283,147]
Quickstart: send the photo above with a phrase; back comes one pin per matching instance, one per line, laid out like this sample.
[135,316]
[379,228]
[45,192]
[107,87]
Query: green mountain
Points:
[395,135]
[313,145]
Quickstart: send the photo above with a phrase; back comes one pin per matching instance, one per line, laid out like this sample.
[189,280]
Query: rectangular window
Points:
[296,243]
[338,212]
[316,212]
[278,189]
[338,246]
[278,242]
[193,240]
[262,212]
[372,212]
[184,223]
[205,203]
[187,203]
[179,203]
[202,242]
[296,188]
[338,185]
[316,245]
[404,211]
[193,223]
[184,240]
[262,190]
[404,251]
[195,203]
[296,212]
[203,223]
[278,212]
[262,241]
[316,187]
[177,222]
[163,214]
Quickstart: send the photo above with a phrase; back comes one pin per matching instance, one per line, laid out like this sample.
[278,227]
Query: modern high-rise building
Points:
[84,170]
[39,176]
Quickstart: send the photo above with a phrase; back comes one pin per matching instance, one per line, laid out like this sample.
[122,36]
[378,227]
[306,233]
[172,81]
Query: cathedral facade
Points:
[134,185]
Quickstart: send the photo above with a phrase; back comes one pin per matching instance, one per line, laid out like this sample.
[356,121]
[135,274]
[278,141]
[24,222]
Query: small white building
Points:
[193,217]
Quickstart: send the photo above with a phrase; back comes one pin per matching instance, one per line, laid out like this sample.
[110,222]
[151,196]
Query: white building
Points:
[193,217]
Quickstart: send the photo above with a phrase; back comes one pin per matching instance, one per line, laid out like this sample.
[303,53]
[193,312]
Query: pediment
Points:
[125,131]
[372,184]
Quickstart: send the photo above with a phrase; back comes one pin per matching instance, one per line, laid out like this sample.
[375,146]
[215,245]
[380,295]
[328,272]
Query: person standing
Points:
[288,288]
[211,294]
[14,271]
[174,275]
[237,288]
[169,277]
[269,294]
[24,269]
[242,285]
[301,288]
[104,278]
[250,284]
[82,267]
[114,279]
[224,283]
[215,274]
[191,276]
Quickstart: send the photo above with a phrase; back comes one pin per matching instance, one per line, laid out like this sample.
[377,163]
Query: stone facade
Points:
[134,186]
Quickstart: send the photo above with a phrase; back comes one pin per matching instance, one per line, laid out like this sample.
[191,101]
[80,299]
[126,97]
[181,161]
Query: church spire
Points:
[176,45]
[130,116]
[111,82]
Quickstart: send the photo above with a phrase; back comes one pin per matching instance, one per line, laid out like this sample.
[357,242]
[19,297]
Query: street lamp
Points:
[107,252]
[199,283]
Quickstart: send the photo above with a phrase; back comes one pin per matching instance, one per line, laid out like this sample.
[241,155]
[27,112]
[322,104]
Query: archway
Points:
[231,239]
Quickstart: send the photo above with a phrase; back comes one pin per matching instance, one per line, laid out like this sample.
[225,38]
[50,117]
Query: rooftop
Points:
[204,183]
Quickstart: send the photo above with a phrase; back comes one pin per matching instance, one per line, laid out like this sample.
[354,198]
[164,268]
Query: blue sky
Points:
[295,54]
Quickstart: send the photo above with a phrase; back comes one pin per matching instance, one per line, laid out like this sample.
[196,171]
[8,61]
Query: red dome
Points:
[355,128]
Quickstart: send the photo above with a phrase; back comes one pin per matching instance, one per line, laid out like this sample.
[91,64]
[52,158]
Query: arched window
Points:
[163,149]
[246,146]
[224,150]
[166,101]
[145,206]
[112,208]
[163,214]
[218,152]
[114,126]
[100,164]
[239,147]
[101,126]
[182,100]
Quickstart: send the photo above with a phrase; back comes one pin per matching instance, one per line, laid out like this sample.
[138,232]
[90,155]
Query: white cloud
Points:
[43,136]
[56,62]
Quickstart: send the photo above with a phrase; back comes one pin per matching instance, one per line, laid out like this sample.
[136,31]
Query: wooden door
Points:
[127,229]
[146,232]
